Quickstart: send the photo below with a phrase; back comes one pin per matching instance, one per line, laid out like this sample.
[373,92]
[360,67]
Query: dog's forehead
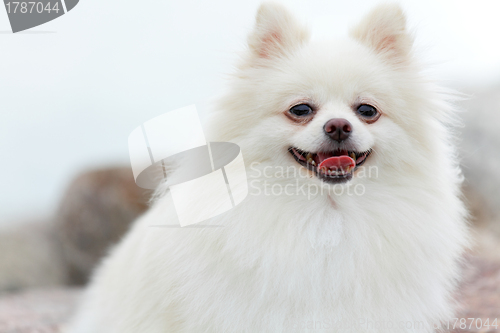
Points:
[342,68]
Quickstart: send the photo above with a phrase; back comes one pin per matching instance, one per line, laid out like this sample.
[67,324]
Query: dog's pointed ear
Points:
[384,30]
[276,32]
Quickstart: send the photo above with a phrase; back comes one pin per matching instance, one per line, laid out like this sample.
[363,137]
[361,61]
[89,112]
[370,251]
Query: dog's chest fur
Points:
[292,261]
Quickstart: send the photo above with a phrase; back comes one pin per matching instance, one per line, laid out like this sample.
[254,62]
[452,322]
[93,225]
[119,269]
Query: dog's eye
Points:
[301,110]
[367,111]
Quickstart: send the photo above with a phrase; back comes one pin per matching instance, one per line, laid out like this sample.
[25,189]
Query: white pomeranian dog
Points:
[353,221]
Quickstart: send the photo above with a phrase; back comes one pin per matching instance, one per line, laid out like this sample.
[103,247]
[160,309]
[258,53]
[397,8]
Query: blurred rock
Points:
[479,293]
[37,311]
[29,257]
[95,212]
[480,156]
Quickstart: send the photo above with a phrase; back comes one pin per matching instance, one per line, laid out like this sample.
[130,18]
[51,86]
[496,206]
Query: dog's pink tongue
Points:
[337,163]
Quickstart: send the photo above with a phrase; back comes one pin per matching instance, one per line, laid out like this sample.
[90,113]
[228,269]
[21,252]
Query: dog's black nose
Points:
[338,129]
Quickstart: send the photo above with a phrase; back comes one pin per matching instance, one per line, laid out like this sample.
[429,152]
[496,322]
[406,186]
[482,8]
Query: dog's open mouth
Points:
[335,166]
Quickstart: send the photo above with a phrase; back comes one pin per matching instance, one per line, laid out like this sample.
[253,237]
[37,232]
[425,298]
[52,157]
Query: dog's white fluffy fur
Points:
[327,261]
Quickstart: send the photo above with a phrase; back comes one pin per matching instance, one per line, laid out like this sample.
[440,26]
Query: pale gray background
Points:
[73,89]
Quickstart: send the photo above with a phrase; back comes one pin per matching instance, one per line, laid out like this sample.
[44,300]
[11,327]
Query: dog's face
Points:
[333,118]
[329,107]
